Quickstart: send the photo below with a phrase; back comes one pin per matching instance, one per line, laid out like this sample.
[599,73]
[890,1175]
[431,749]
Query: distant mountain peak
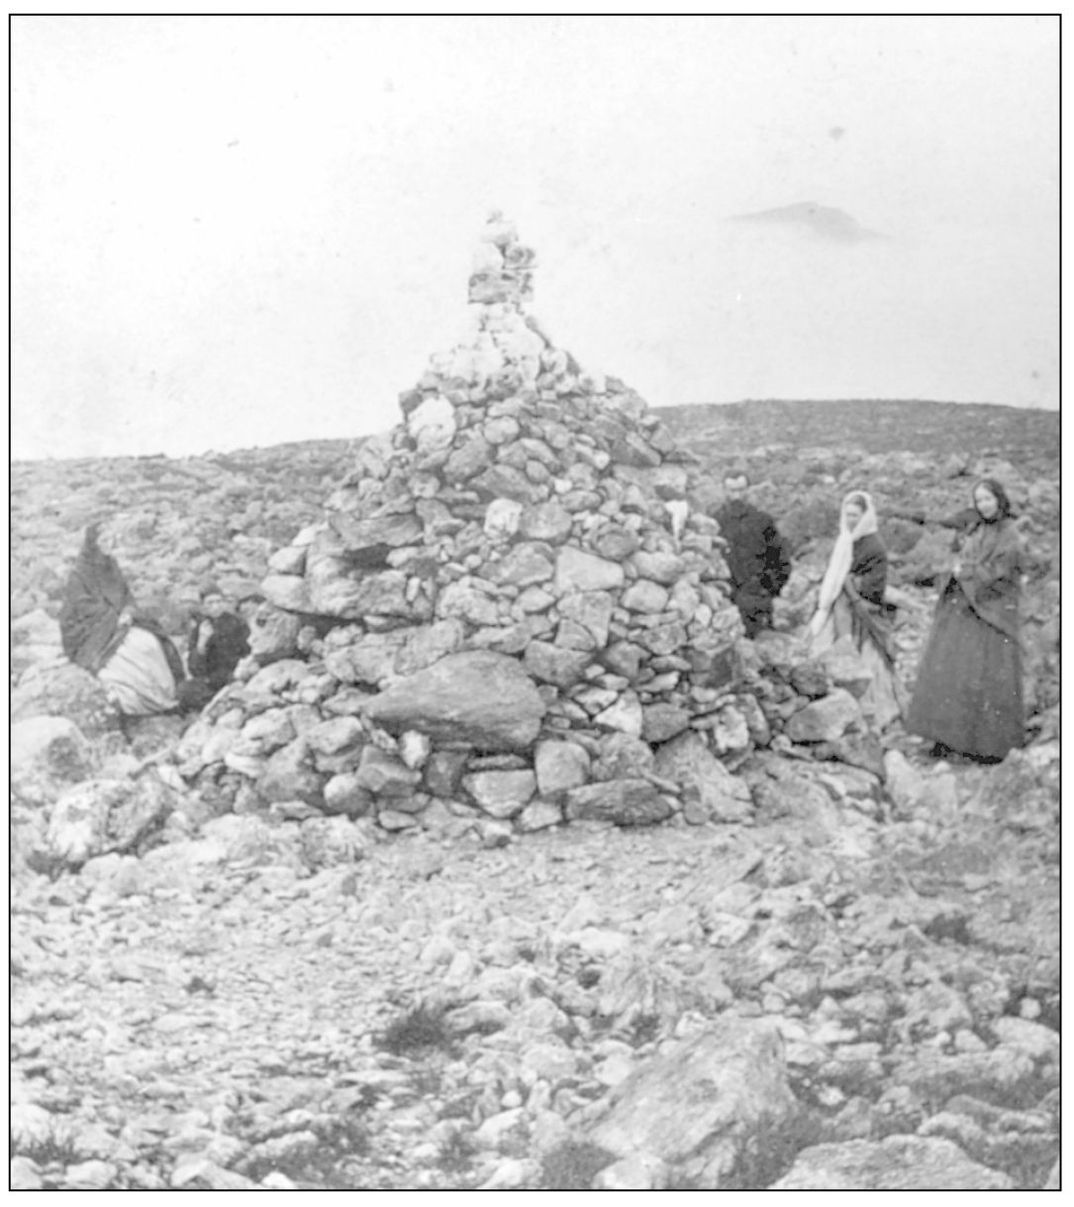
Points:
[824,221]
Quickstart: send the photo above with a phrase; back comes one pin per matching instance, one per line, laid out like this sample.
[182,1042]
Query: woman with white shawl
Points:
[851,609]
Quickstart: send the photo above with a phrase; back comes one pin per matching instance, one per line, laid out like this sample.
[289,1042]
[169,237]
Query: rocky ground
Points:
[852,984]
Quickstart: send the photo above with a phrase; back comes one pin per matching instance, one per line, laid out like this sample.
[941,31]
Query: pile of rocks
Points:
[506,605]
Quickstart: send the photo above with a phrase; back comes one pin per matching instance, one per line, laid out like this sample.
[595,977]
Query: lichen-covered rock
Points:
[107,815]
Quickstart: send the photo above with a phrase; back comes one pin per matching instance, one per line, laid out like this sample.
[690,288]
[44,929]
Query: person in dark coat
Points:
[756,558]
[104,632]
[219,640]
[851,607]
[968,696]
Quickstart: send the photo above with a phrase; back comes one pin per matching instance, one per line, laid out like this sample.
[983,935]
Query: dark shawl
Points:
[990,577]
[755,555]
[95,595]
[869,568]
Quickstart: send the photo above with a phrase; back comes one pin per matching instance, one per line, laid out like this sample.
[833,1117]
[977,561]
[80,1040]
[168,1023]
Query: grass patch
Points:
[336,1163]
[644,1028]
[457,1154]
[573,1165]
[419,1029]
[54,1149]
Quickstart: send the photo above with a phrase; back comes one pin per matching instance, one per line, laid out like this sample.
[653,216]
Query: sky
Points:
[232,232]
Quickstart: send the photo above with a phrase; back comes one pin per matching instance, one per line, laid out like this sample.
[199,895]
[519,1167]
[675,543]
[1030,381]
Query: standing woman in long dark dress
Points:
[968,696]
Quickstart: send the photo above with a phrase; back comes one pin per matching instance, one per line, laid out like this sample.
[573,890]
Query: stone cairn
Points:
[508,614]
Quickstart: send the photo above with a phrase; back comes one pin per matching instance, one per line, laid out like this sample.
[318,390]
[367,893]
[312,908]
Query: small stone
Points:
[560,766]
[385,774]
[539,815]
[643,595]
[90,1175]
[552,664]
[579,571]
[663,721]
[394,819]
[1038,1041]
[810,679]
[24,1174]
[502,794]
[496,1129]
[624,715]
[824,720]
[414,749]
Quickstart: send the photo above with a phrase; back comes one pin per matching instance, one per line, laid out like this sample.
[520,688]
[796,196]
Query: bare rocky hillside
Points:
[852,982]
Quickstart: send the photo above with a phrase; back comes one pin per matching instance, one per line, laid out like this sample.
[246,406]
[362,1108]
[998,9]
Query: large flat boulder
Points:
[47,755]
[696,1107]
[476,696]
[897,1163]
[103,815]
[64,690]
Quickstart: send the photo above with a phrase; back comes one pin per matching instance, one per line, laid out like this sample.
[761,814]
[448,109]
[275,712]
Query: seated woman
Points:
[218,641]
[851,606]
[103,632]
[968,695]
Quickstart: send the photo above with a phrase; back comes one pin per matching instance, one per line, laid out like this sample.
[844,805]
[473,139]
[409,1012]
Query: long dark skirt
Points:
[968,693]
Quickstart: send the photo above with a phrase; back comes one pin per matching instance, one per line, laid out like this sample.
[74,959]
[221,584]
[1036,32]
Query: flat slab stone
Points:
[476,696]
[580,571]
[627,802]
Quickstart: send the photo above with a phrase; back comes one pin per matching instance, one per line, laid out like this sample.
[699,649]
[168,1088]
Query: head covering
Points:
[1002,498]
[678,509]
[842,557]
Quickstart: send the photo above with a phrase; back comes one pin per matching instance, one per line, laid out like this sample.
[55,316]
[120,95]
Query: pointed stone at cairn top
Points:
[503,266]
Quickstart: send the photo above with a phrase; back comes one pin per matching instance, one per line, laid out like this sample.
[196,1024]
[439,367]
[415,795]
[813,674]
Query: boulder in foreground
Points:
[897,1163]
[695,1108]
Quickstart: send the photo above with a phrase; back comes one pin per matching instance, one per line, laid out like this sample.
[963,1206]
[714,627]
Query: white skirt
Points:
[139,677]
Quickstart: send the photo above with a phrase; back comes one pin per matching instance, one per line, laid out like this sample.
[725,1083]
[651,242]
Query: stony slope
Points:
[253,1003]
